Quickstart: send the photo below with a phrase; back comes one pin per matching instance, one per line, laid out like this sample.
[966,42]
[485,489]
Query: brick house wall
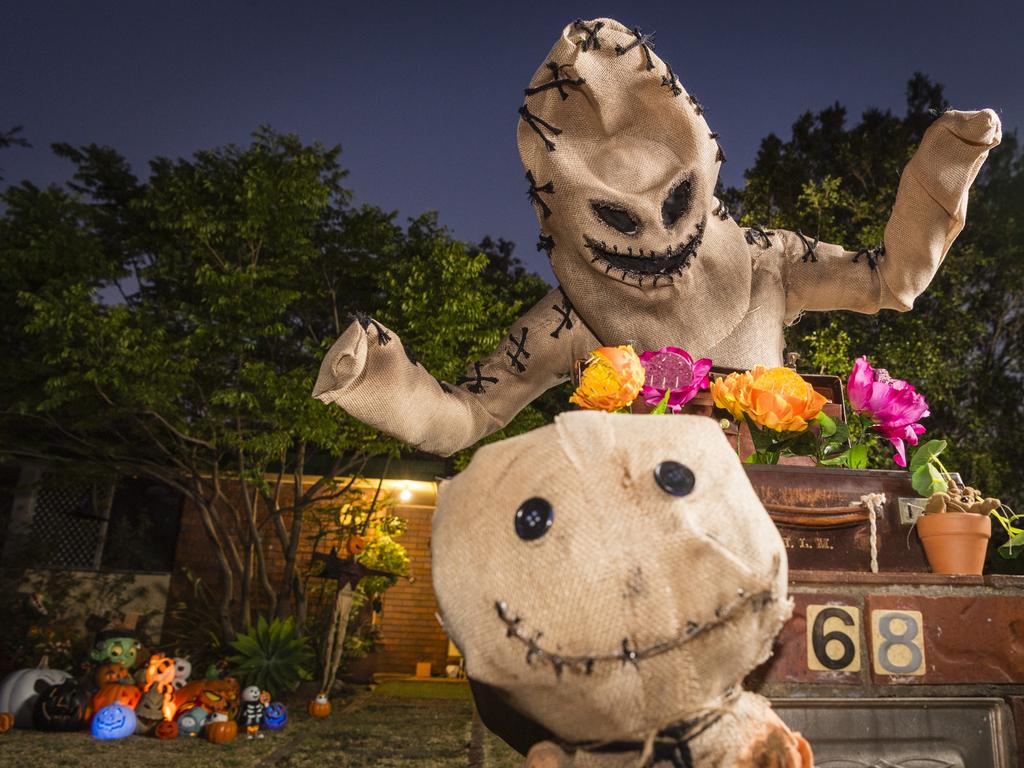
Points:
[409,631]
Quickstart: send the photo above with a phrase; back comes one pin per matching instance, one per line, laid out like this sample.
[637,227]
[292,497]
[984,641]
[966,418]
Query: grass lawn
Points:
[401,723]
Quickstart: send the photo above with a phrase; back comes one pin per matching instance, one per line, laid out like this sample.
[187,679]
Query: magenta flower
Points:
[672,369]
[893,404]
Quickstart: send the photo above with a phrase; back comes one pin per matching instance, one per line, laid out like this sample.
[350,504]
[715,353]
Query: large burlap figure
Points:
[621,166]
[614,578]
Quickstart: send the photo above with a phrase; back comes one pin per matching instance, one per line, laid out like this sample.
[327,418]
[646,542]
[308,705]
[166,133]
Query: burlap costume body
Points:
[621,166]
[624,614]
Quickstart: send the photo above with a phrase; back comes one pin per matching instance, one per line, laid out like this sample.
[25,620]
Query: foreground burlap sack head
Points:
[621,164]
[613,575]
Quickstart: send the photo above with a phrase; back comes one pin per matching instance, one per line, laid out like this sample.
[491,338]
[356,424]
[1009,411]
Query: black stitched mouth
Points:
[754,600]
[640,265]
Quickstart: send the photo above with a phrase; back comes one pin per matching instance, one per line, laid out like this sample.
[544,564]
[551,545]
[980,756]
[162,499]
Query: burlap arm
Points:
[929,212]
[368,373]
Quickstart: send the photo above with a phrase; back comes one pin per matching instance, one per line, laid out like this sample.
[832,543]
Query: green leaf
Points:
[858,457]
[927,480]
[662,404]
[925,453]
[1013,547]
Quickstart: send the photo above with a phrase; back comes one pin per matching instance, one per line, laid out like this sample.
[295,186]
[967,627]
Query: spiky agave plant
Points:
[272,655]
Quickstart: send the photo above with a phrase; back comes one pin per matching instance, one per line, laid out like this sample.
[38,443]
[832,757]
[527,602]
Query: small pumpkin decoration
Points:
[111,672]
[62,707]
[166,729]
[320,706]
[116,693]
[21,688]
[355,545]
[275,716]
[6,721]
[221,731]
[115,721]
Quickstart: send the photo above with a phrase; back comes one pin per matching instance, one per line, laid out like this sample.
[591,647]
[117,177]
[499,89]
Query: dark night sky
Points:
[422,96]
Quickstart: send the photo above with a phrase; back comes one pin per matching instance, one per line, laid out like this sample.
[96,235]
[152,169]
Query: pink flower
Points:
[672,369]
[893,404]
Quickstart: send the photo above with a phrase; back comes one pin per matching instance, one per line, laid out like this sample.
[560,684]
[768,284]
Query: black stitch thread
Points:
[534,193]
[546,243]
[757,235]
[564,311]
[697,106]
[810,253]
[514,354]
[591,39]
[671,82]
[871,255]
[721,211]
[646,43]
[365,321]
[476,382]
[536,123]
[720,155]
[444,387]
[556,81]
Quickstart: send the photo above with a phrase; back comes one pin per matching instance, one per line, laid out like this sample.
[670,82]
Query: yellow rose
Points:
[611,379]
[774,398]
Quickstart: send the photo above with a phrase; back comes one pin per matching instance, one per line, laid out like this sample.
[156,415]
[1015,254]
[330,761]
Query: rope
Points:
[874,503]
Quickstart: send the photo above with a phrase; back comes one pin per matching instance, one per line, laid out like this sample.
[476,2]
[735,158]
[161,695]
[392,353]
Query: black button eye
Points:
[677,203]
[616,218]
[674,478]
[533,518]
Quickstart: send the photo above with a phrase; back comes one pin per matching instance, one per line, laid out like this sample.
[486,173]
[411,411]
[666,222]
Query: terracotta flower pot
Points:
[955,542]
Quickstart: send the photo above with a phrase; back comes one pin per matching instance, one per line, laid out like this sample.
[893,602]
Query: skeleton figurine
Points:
[621,166]
[251,713]
[614,578]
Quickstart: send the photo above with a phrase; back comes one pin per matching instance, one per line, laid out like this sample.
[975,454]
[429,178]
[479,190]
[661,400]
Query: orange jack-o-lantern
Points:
[222,731]
[111,672]
[116,693]
[355,545]
[211,695]
[6,721]
[166,729]
[320,706]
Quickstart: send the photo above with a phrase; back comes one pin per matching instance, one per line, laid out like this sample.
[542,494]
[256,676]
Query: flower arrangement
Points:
[614,377]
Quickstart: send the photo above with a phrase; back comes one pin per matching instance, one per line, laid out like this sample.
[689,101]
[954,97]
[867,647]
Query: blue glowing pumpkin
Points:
[114,721]
[275,716]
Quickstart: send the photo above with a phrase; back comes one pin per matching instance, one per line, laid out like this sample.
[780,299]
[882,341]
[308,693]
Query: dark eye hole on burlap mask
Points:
[617,218]
[677,203]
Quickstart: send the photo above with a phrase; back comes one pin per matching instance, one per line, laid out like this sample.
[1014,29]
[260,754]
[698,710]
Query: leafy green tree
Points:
[962,343]
[233,272]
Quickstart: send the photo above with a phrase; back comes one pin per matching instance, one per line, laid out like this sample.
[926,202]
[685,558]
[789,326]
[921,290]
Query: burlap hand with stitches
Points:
[621,166]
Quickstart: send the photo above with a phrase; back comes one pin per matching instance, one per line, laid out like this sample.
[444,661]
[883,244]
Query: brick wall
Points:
[409,631]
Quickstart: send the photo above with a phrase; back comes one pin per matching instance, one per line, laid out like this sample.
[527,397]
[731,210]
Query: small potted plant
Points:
[957,520]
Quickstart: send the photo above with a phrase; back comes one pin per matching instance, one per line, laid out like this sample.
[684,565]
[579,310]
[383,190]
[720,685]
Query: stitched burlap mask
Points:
[611,574]
[622,169]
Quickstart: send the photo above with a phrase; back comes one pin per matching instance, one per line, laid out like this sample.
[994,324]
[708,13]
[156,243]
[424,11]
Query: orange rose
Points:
[772,398]
[611,380]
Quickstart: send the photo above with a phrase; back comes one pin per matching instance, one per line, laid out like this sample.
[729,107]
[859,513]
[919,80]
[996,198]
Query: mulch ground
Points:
[400,723]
